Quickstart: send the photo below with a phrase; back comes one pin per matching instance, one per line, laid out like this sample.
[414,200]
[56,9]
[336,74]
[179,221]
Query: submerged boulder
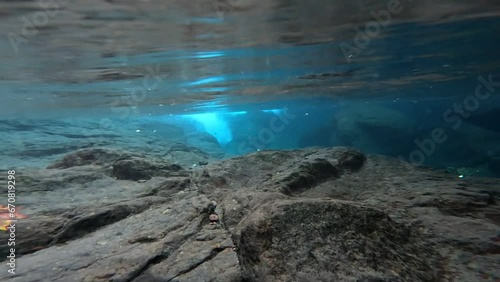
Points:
[320,214]
[140,169]
[92,156]
[332,241]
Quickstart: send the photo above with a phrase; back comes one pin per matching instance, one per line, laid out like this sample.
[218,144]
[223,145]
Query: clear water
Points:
[255,75]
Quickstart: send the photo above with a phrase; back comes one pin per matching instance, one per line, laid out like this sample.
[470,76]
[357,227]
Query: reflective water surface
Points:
[225,65]
[92,56]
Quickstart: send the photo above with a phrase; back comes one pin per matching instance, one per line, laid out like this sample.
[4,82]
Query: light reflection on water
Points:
[89,60]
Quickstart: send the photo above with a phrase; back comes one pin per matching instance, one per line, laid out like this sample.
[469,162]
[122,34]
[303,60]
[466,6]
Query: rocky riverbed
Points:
[320,214]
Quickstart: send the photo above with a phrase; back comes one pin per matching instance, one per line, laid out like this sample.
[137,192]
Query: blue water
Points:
[254,89]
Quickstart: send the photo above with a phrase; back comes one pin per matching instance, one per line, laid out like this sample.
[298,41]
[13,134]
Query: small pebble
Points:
[213,218]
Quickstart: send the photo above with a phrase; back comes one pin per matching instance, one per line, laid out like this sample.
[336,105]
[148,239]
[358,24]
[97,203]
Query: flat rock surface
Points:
[320,214]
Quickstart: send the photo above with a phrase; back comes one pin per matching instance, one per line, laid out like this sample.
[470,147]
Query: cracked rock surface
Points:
[329,214]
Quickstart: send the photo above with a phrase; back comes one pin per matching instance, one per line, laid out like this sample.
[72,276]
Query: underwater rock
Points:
[315,169]
[305,175]
[169,186]
[319,240]
[137,169]
[355,218]
[209,255]
[124,165]
[83,221]
[279,170]
[93,156]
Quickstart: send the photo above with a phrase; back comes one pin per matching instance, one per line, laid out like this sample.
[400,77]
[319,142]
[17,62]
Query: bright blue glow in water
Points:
[218,124]
[215,124]
[206,55]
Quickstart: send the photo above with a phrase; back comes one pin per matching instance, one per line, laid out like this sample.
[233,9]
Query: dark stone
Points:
[314,170]
[351,217]
[171,185]
[133,169]
[85,222]
[138,169]
[307,174]
[329,241]
[93,156]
